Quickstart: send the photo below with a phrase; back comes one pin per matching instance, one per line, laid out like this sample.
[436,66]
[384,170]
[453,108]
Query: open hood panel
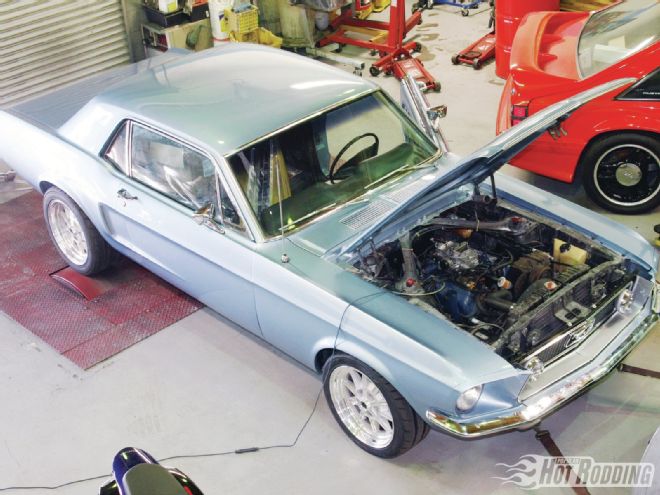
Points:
[487,160]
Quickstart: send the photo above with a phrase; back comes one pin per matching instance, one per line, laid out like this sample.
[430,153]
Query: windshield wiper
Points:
[293,225]
[405,168]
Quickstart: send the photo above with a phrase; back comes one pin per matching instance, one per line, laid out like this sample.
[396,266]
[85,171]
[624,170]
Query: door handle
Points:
[124,194]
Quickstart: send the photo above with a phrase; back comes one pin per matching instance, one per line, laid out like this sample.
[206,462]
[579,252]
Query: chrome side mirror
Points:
[435,114]
[206,216]
[438,112]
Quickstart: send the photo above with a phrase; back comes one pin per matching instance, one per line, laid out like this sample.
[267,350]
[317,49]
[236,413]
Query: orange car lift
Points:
[387,40]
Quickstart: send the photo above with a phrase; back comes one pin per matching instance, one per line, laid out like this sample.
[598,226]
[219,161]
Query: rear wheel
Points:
[622,172]
[370,410]
[74,235]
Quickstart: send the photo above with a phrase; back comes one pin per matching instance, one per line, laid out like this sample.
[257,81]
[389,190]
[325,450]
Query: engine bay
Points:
[511,279]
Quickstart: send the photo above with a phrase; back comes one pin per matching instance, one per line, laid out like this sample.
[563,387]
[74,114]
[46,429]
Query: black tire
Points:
[621,172]
[455,60]
[465,12]
[476,64]
[374,71]
[407,427]
[99,254]
[437,87]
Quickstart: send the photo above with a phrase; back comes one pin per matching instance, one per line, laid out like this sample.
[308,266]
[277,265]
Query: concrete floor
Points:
[203,385]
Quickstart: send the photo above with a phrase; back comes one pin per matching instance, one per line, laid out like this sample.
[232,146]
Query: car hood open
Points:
[485,161]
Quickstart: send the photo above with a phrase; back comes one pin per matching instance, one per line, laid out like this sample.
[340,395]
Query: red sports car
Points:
[612,144]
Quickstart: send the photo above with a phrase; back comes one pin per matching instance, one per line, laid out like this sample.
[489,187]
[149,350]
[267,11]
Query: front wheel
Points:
[370,410]
[622,172]
[74,235]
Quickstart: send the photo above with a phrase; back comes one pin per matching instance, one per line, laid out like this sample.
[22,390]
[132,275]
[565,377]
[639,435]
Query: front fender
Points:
[425,358]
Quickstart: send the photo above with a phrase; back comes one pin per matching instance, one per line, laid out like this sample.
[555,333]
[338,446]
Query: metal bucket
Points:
[269,15]
[297,24]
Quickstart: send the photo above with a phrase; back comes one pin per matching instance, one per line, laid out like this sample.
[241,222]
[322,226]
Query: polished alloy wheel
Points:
[67,232]
[361,406]
[628,174]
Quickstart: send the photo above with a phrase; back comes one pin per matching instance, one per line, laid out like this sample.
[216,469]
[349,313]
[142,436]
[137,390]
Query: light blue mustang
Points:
[303,204]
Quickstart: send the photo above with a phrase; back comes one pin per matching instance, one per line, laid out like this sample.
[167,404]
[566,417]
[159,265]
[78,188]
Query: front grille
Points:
[573,336]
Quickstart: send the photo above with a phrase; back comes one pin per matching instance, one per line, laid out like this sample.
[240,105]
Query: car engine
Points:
[510,279]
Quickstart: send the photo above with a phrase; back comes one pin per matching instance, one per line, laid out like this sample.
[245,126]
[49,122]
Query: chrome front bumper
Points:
[535,407]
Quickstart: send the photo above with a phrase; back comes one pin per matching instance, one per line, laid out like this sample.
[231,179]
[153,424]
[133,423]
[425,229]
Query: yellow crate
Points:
[243,22]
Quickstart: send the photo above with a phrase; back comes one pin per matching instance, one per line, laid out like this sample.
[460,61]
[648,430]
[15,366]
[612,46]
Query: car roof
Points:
[229,96]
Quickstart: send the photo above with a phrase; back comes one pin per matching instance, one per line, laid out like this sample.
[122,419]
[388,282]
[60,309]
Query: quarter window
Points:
[646,89]
[116,153]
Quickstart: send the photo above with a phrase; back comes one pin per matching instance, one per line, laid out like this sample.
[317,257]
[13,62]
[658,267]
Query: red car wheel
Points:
[622,172]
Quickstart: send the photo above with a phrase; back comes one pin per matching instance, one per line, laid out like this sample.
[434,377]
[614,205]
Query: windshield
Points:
[617,32]
[327,161]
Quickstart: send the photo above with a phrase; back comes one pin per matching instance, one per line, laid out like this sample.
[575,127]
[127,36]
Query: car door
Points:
[164,183]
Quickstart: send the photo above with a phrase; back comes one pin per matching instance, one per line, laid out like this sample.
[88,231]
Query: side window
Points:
[172,169]
[117,153]
[179,172]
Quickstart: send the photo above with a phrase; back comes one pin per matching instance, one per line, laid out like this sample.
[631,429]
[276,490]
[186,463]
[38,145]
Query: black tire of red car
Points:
[408,429]
[98,254]
[621,172]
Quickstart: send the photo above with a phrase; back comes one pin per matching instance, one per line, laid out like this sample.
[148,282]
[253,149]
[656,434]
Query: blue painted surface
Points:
[219,101]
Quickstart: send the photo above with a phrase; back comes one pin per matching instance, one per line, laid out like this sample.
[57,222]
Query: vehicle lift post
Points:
[387,40]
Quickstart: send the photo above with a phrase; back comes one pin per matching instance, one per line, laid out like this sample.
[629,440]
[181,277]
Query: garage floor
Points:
[203,385]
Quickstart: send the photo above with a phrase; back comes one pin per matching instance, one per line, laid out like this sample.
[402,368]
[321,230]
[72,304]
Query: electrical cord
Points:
[191,456]
[56,487]
[212,454]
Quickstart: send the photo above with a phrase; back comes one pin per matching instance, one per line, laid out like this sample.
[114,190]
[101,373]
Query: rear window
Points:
[616,33]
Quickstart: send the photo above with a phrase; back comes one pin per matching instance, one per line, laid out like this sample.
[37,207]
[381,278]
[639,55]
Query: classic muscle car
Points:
[612,145]
[305,205]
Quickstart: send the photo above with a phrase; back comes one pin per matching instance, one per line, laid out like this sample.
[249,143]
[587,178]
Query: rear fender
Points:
[40,156]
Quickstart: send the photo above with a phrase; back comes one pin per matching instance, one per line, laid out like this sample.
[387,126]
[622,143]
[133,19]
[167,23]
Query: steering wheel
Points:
[369,152]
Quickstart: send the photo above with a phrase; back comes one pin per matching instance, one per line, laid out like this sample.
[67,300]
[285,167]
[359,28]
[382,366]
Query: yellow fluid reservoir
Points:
[565,253]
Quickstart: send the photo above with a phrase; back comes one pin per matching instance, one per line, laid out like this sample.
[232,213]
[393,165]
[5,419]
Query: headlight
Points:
[468,399]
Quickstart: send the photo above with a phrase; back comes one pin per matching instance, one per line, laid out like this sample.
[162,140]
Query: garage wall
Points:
[45,44]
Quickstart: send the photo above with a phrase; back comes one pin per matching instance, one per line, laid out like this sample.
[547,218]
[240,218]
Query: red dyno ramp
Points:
[121,307]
